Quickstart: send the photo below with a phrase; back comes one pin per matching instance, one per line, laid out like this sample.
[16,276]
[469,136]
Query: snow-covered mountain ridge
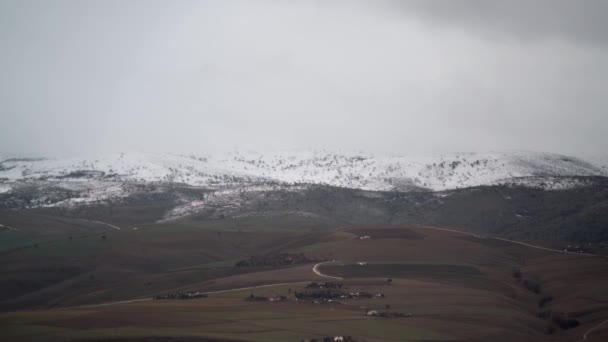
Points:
[359,171]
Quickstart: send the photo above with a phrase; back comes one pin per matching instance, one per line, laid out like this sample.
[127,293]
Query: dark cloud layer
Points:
[580,22]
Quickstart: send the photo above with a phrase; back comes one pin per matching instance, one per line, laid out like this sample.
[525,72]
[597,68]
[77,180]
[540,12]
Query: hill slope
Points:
[367,172]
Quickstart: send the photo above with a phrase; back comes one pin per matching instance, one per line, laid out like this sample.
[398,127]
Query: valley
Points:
[303,171]
[450,284]
[163,260]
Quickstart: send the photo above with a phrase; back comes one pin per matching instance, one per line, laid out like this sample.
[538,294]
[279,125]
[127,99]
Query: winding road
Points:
[207,292]
[103,223]
[513,241]
[315,270]
[592,329]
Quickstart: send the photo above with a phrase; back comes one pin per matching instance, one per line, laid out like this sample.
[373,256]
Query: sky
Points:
[387,77]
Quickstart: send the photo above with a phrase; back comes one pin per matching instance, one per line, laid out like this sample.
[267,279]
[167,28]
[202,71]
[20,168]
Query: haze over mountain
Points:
[384,77]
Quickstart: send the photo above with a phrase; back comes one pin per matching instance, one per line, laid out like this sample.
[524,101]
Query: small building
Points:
[277,299]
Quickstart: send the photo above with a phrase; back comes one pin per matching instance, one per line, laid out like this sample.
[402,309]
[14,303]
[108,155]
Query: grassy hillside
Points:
[448,286]
[90,265]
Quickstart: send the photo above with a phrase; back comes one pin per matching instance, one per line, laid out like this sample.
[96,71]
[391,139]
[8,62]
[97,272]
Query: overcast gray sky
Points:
[392,77]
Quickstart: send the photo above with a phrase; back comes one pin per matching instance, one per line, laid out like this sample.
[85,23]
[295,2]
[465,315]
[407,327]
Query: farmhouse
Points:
[384,314]
[329,339]
[254,298]
[328,285]
[185,295]
[277,299]
[360,294]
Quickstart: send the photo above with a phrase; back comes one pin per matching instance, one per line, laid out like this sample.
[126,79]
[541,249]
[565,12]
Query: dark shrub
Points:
[562,320]
[517,274]
[532,286]
[545,314]
[544,300]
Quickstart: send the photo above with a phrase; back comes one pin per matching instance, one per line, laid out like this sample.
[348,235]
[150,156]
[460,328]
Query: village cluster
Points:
[329,339]
[318,293]
[577,249]
[184,295]
[315,293]
[327,285]
[330,296]
[254,298]
[387,314]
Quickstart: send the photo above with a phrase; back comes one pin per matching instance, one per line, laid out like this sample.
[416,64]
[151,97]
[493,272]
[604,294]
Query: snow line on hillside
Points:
[359,171]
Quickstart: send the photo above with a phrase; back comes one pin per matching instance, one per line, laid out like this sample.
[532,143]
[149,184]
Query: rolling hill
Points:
[103,174]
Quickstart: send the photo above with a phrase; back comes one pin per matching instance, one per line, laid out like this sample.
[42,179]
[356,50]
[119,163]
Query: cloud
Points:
[395,78]
[579,22]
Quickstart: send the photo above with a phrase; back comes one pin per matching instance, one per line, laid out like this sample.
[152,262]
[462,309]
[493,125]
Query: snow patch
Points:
[105,177]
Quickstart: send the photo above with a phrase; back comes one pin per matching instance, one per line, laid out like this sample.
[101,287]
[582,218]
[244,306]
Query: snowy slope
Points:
[337,169]
[390,173]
